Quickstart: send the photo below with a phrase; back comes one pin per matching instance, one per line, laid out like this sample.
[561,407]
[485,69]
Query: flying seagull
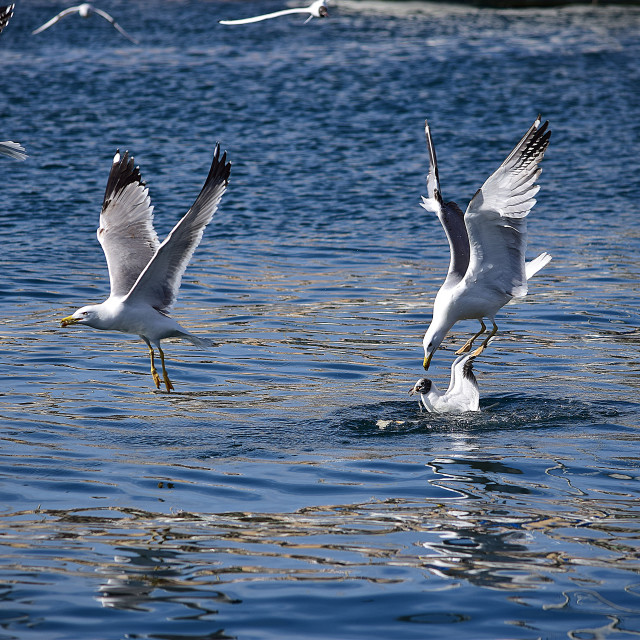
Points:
[6,11]
[12,150]
[317,9]
[145,275]
[85,10]
[488,242]
[461,396]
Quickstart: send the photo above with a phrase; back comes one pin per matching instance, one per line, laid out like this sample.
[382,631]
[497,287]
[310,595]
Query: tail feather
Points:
[198,342]
[531,268]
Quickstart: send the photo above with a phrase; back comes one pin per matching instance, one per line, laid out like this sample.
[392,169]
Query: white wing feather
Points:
[159,283]
[13,150]
[496,216]
[126,225]
[56,18]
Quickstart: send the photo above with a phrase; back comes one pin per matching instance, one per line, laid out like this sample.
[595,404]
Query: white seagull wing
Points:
[450,216]
[267,16]
[159,283]
[464,386]
[55,19]
[6,11]
[496,216]
[126,225]
[12,150]
[109,19]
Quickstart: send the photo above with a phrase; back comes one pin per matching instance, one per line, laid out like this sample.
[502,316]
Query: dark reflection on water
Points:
[289,488]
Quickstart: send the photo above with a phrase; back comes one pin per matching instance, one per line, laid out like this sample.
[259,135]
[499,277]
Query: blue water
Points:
[290,488]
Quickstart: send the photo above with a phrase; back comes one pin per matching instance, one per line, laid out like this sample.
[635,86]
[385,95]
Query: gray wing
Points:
[266,16]
[159,283]
[126,225]
[55,19]
[109,19]
[496,216]
[6,11]
[12,150]
[450,216]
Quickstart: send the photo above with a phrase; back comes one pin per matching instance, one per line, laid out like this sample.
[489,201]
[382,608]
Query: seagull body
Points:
[145,275]
[461,396]
[12,150]
[487,242]
[84,11]
[6,11]
[317,9]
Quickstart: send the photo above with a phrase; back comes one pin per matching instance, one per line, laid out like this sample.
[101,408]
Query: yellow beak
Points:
[427,361]
[65,322]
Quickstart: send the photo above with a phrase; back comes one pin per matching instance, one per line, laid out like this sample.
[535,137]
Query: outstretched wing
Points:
[450,216]
[159,283]
[6,11]
[126,225]
[55,19]
[266,16]
[13,150]
[496,216]
[109,19]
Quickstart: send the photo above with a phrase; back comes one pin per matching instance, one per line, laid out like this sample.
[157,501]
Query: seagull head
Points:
[319,9]
[422,386]
[88,315]
[431,342]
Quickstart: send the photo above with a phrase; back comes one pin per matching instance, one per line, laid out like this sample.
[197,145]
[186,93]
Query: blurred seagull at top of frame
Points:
[487,243]
[145,275]
[6,11]
[13,150]
[461,396]
[317,9]
[85,10]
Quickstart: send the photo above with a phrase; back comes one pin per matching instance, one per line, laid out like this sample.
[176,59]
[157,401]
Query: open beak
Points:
[65,322]
[427,361]
[413,390]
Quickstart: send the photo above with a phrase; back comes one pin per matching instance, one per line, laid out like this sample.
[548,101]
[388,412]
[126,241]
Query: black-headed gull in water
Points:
[317,9]
[85,10]
[488,242]
[461,396]
[145,275]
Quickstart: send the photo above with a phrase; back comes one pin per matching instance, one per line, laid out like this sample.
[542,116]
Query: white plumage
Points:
[462,394]
[146,275]
[85,10]
[12,150]
[488,242]
[317,9]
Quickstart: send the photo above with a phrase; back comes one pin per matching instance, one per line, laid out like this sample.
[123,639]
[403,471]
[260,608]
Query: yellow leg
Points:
[167,382]
[154,372]
[470,341]
[482,347]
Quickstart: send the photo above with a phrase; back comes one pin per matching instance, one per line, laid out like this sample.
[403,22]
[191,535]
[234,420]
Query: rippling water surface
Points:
[289,488]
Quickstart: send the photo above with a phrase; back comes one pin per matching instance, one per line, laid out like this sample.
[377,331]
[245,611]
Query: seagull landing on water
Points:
[85,10]
[145,275]
[461,396]
[12,150]
[6,11]
[317,9]
[488,242]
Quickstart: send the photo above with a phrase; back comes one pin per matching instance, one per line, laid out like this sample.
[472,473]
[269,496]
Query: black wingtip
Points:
[220,168]
[123,172]
[467,371]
